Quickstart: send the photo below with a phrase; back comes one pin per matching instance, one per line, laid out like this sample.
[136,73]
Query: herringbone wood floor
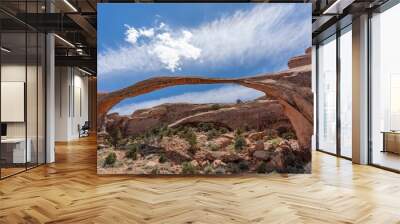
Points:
[69,191]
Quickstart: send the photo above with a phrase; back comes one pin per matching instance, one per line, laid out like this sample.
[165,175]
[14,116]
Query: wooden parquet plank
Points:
[70,191]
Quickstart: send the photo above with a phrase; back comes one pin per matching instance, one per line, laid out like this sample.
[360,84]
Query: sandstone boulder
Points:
[256,136]
[259,145]
[261,155]
[222,142]
[218,164]
[176,149]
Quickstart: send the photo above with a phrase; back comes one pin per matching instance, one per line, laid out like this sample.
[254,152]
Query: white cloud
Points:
[171,50]
[264,31]
[131,34]
[146,32]
[227,94]
[161,49]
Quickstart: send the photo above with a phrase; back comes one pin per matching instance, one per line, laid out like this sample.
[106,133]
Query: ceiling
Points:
[75,22]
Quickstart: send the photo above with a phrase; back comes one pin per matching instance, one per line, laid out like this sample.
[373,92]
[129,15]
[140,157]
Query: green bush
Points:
[132,151]
[162,158]
[191,138]
[182,131]
[234,168]
[115,136]
[205,126]
[213,133]
[240,142]
[155,171]
[223,130]
[288,135]
[110,159]
[216,107]
[243,165]
[239,131]
[188,168]
[214,147]
[169,132]
[262,167]
[208,169]
[275,142]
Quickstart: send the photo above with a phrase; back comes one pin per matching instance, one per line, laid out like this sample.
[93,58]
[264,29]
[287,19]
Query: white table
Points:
[19,153]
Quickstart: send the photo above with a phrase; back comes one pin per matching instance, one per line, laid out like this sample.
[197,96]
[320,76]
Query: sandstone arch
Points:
[296,105]
[297,101]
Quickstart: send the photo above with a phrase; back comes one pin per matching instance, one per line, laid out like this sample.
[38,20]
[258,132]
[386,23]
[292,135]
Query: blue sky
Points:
[140,41]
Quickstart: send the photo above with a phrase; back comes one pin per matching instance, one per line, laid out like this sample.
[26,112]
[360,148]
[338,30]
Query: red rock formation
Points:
[253,115]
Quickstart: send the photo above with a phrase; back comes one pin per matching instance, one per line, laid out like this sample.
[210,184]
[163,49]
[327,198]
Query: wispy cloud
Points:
[227,94]
[265,31]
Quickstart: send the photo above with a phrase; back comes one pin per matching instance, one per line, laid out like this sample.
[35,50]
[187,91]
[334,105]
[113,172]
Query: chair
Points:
[84,130]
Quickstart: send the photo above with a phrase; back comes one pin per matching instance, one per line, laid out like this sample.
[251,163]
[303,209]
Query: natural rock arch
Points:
[297,104]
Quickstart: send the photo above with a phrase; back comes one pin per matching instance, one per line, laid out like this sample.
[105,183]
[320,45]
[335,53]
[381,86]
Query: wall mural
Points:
[204,89]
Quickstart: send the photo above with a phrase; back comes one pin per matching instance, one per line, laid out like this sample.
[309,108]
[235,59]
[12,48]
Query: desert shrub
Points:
[169,132]
[146,137]
[262,167]
[288,135]
[243,165]
[214,147]
[155,171]
[132,151]
[234,168]
[239,131]
[213,133]
[240,142]
[239,101]
[115,137]
[156,130]
[193,149]
[275,142]
[270,134]
[204,126]
[182,131]
[110,159]
[157,133]
[162,159]
[191,138]
[208,169]
[223,130]
[268,137]
[188,168]
[216,107]
[133,146]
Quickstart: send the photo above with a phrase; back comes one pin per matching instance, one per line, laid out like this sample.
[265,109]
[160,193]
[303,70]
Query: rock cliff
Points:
[258,115]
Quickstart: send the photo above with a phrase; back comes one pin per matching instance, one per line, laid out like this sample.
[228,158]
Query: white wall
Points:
[71,102]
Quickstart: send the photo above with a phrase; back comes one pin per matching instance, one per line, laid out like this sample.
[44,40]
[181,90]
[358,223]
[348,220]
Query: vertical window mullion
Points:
[26,86]
[338,80]
[317,96]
